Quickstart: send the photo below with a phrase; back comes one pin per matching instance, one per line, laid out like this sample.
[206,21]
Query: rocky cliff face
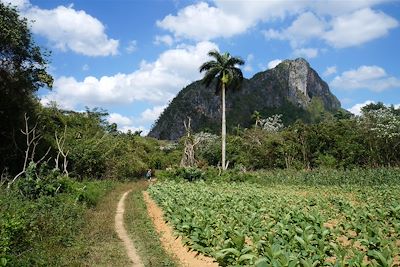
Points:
[292,88]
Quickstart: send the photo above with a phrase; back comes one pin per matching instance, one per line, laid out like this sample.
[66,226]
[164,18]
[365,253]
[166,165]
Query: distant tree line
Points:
[344,141]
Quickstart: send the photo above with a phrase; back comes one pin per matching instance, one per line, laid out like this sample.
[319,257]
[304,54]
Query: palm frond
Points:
[215,54]
[218,84]
[208,65]
[223,63]
[235,78]
[210,76]
[235,61]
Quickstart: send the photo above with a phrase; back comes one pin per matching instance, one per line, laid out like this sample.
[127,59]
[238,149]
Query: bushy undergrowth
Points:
[41,215]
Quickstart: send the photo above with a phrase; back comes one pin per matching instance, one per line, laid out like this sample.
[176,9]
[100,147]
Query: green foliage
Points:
[224,68]
[182,174]
[367,141]
[36,226]
[96,151]
[43,182]
[284,225]
[22,73]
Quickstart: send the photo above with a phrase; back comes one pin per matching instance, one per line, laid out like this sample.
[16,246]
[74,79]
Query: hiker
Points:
[148,175]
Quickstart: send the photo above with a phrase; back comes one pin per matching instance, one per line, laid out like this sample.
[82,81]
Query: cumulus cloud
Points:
[154,82]
[341,31]
[273,63]
[152,114]
[70,29]
[133,124]
[304,28]
[119,119]
[372,78]
[356,109]
[253,11]
[202,22]
[330,70]
[359,27]
[338,23]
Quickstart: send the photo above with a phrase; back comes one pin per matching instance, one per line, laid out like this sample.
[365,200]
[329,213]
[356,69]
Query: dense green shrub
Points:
[43,182]
[182,173]
[37,224]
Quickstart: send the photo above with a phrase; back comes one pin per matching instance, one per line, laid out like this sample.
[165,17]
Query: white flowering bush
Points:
[383,123]
[272,124]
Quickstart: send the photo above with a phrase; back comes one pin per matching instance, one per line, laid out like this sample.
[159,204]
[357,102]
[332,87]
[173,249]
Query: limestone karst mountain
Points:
[292,88]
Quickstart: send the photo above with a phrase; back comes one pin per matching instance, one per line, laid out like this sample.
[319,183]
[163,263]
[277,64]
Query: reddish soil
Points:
[170,242]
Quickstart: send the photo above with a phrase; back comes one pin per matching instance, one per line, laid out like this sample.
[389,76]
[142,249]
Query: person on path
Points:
[148,175]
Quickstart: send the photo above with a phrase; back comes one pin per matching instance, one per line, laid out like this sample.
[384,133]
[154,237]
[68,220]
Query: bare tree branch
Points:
[60,145]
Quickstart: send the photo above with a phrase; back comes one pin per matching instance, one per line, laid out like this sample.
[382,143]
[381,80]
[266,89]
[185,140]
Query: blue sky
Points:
[131,57]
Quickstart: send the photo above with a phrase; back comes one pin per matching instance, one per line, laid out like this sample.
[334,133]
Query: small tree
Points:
[32,138]
[188,157]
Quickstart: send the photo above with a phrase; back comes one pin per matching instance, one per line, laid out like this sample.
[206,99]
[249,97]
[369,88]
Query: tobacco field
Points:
[285,225]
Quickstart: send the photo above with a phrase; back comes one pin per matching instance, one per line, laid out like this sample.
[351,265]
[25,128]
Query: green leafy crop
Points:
[282,225]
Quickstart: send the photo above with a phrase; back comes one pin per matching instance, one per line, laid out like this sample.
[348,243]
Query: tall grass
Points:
[36,231]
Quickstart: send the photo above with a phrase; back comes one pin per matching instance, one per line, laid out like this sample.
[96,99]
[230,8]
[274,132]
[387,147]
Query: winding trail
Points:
[123,234]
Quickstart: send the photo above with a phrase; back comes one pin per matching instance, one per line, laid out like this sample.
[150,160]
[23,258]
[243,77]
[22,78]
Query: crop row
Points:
[245,224]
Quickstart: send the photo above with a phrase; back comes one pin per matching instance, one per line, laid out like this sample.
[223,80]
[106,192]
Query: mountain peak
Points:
[292,88]
[297,61]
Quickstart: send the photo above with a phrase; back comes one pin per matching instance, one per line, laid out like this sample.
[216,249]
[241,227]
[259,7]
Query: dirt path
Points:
[122,233]
[172,244]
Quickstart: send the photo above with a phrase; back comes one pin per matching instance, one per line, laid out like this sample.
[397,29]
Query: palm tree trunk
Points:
[223,134]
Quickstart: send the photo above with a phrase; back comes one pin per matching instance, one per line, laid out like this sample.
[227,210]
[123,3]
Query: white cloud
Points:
[306,52]
[249,61]
[372,78]
[335,22]
[133,129]
[69,29]
[253,11]
[304,28]
[133,124]
[132,46]
[345,30]
[151,114]
[356,109]
[164,39]
[335,8]
[273,63]
[154,82]
[359,27]
[202,22]
[119,119]
[330,70]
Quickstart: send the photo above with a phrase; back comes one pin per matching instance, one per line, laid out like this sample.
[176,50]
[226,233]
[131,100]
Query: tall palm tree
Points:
[223,67]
